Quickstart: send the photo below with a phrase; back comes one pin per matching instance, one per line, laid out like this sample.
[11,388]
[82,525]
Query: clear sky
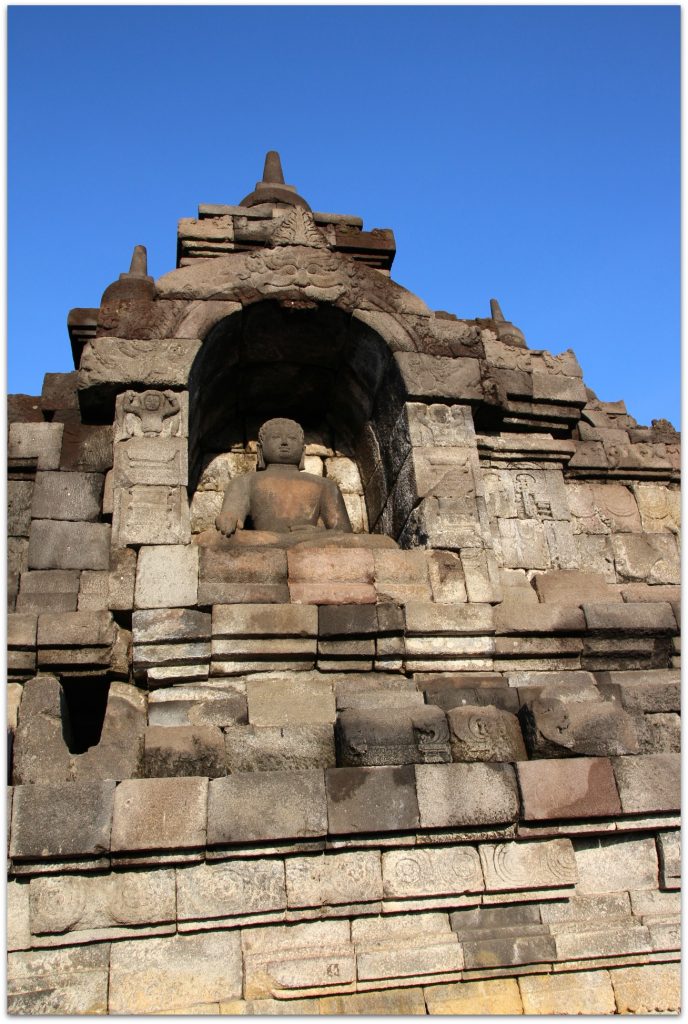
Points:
[525,153]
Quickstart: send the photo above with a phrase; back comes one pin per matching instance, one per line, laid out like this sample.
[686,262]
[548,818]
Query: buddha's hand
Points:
[228,522]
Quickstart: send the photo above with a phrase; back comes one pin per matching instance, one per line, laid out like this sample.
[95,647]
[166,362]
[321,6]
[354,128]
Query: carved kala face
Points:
[282,442]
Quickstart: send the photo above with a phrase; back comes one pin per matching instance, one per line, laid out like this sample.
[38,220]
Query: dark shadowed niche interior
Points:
[317,365]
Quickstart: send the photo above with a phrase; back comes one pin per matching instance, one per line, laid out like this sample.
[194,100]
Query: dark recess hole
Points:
[83,713]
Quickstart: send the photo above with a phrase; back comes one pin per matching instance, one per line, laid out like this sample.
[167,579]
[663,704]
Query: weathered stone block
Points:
[400,1001]
[582,787]
[167,576]
[616,864]
[257,620]
[538,619]
[429,619]
[19,497]
[428,871]
[330,593]
[584,992]
[184,750]
[574,587]
[18,927]
[86,448]
[650,690]
[171,973]
[371,799]
[373,737]
[266,805]
[61,820]
[519,865]
[160,461]
[240,576]
[70,496]
[230,888]
[669,849]
[648,988]
[649,557]
[66,545]
[119,752]
[279,748]
[40,753]
[75,629]
[59,981]
[498,996]
[122,579]
[440,376]
[447,578]
[553,728]
[150,514]
[167,624]
[77,903]
[648,783]
[159,814]
[302,702]
[331,879]
[636,618]
[94,590]
[330,564]
[41,442]
[466,794]
[346,620]
[108,362]
[485,734]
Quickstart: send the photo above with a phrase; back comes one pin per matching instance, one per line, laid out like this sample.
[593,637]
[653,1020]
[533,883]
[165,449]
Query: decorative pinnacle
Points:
[139,262]
[272,172]
[496,311]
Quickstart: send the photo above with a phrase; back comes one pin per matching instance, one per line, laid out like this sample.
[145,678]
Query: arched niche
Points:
[311,362]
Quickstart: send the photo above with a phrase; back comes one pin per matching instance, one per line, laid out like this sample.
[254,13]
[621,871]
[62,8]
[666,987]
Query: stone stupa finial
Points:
[272,188]
[139,263]
[272,172]
[506,331]
[496,311]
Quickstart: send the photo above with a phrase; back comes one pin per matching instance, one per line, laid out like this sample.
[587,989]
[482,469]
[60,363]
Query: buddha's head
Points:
[281,442]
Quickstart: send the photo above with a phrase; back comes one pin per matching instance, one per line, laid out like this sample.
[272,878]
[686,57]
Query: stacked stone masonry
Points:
[428,767]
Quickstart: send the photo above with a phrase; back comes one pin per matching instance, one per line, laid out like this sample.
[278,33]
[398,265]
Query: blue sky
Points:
[525,153]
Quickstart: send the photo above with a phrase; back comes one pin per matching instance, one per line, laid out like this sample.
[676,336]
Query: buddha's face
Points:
[282,442]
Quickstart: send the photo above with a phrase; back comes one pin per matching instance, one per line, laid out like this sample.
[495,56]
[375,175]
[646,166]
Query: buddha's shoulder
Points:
[313,478]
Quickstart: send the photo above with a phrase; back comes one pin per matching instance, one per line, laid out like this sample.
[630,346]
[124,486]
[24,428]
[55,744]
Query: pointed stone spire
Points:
[272,172]
[496,310]
[139,262]
[272,188]
[506,331]
[135,285]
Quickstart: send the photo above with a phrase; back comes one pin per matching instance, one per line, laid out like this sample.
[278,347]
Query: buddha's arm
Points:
[332,508]
[236,505]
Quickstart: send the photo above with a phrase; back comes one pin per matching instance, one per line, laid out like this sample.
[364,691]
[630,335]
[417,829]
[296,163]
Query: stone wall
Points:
[437,772]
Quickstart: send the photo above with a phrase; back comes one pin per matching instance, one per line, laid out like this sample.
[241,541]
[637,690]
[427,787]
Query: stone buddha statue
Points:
[279,504]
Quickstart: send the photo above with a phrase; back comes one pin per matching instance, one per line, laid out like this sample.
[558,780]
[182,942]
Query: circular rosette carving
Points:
[408,871]
[57,905]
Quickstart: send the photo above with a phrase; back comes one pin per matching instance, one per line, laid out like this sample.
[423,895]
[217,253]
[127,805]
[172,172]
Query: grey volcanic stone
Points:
[485,734]
[649,783]
[266,805]
[19,495]
[164,624]
[371,799]
[70,496]
[37,443]
[159,814]
[65,545]
[67,820]
[409,736]
[119,752]
[40,752]
[273,748]
[554,728]
[582,787]
[48,590]
[466,794]
[184,750]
